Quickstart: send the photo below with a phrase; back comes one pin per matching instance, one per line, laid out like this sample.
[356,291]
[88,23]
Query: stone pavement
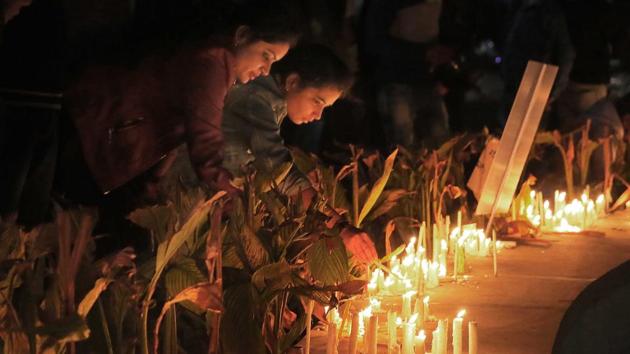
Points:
[519,311]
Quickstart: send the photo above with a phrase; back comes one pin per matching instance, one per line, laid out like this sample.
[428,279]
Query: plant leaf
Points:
[378,187]
[205,295]
[183,274]
[328,261]
[289,338]
[272,277]
[387,201]
[90,298]
[242,317]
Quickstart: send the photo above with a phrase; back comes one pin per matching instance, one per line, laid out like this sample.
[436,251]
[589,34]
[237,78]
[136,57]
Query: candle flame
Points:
[422,335]
[426,299]
[413,318]
[461,314]
[410,293]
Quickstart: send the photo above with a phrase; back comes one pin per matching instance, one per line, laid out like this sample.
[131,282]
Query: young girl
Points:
[309,79]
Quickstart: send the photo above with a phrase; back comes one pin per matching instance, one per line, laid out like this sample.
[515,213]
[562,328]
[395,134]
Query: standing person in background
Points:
[403,40]
[539,32]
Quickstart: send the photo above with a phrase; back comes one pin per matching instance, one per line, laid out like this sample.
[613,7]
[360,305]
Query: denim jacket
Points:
[252,116]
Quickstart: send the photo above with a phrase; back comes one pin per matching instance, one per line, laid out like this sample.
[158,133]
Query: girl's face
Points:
[306,104]
[254,59]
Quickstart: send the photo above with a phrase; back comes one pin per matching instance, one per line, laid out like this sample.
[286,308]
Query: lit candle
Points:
[419,342]
[600,204]
[373,337]
[419,277]
[433,280]
[457,332]
[408,335]
[447,228]
[472,337]
[391,331]
[309,314]
[436,243]
[406,304]
[421,240]
[331,343]
[354,334]
[442,343]
[435,341]
[461,260]
[425,310]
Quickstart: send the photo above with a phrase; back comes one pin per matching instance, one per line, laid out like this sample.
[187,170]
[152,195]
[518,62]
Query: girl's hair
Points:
[316,65]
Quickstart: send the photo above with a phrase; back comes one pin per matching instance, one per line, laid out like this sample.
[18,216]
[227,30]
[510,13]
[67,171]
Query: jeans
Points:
[413,115]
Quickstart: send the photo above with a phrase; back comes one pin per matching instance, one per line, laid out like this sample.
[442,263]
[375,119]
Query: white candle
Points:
[457,332]
[406,304]
[442,342]
[354,334]
[331,343]
[472,337]
[419,342]
[373,338]
[425,310]
[447,228]
[309,314]
[421,240]
[391,332]
[434,341]
[433,280]
[436,243]
[408,335]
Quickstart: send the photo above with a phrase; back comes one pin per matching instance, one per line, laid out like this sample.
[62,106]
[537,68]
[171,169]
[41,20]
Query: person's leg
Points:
[396,107]
[432,122]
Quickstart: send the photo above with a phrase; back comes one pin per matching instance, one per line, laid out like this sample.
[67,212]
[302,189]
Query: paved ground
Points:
[519,311]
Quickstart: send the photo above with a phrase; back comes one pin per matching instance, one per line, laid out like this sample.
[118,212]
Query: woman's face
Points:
[253,59]
[306,104]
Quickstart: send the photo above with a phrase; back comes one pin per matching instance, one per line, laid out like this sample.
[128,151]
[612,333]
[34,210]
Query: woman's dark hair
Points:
[317,66]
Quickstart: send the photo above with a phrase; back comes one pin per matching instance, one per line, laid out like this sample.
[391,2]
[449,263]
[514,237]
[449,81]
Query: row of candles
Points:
[562,216]
[413,271]
[408,275]
[363,333]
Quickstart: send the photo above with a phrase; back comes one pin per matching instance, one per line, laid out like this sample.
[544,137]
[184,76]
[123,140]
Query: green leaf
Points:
[169,334]
[69,329]
[265,181]
[272,277]
[328,261]
[447,147]
[379,185]
[241,323]
[253,251]
[303,161]
[289,338]
[90,298]
[183,274]
[198,220]
[161,220]
[387,201]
